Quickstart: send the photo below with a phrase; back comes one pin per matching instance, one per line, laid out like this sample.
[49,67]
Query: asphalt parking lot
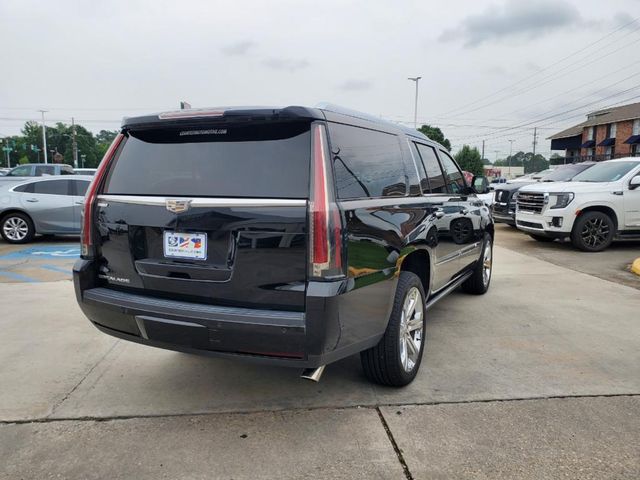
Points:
[540,378]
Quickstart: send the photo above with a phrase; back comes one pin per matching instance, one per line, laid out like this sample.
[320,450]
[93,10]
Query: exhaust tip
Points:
[313,374]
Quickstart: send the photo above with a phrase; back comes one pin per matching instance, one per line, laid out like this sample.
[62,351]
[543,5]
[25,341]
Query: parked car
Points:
[44,205]
[85,171]
[496,181]
[4,171]
[38,170]
[599,205]
[294,236]
[504,206]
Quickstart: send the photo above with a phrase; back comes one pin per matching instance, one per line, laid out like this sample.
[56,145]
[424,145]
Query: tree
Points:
[434,133]
[527,160]
[557,159]
[470,160]
[103,141]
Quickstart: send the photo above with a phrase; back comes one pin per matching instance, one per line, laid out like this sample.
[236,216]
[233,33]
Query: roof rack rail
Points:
[366,116]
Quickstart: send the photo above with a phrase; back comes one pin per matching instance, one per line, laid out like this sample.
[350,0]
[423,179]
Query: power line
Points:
[529,77]
[532,122]
[551,78]
[545,124]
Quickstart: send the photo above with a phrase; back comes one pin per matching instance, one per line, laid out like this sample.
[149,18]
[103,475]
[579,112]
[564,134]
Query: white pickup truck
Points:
[596,207]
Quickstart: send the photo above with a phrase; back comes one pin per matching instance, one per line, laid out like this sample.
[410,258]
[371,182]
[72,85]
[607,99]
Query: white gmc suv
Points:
[597,206]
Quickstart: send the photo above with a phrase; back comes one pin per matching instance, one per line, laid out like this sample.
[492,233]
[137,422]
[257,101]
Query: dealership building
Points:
[608,133]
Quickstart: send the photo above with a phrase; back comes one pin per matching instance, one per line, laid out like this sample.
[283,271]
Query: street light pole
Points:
[510,153]
[44,136]
[415,108]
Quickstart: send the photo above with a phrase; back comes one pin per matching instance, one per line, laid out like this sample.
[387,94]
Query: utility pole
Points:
[535,140]
[75,143]
[415,108]
[44,135]
[483,150]
[510,154]
[7,150]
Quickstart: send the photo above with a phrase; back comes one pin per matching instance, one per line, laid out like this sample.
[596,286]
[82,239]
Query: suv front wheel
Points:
[395,360]
[593,231]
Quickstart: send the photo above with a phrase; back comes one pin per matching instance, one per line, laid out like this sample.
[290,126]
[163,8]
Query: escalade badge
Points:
[178,206]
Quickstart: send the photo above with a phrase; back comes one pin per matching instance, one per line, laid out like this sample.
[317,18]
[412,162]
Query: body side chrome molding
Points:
[205,202]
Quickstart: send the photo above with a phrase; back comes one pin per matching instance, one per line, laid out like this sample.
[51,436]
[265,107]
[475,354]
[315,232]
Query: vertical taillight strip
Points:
[325,222]
[90,198]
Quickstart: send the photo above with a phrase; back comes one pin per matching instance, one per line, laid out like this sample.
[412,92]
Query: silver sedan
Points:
[42,205]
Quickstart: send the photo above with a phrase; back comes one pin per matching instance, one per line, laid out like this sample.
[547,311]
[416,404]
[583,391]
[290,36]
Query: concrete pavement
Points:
[542,331]
[613,264]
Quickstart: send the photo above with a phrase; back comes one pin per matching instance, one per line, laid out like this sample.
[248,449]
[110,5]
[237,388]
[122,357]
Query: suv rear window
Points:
[269,161]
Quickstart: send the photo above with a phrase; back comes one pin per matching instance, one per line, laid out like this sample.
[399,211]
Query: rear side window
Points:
[268,161]
[80,187]
[454,176]
[367,163]
[27,188]
[54,187]
[44,170]
[434,172]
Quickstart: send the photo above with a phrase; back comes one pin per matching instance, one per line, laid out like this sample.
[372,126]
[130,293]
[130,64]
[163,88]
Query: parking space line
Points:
[56,268]
[17,276]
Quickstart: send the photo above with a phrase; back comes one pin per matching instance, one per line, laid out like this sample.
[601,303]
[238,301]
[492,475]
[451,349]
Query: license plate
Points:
[185,245]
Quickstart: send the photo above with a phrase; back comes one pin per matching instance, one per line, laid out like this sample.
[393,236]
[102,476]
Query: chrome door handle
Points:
[32,200]
[79,203]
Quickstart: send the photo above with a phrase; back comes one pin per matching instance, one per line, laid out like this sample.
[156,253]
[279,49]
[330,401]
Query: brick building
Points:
[608,133]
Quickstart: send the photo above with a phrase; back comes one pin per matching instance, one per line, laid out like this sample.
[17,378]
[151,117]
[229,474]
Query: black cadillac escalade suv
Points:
[295,236]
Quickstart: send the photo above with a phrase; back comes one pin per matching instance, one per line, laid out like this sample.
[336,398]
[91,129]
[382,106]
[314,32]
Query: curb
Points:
[635,266]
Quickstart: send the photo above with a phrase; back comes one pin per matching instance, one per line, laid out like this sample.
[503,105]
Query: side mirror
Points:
[480,184]
[634,183]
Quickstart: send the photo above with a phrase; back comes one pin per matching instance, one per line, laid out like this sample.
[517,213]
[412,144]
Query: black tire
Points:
[541,238]
[20,218]
[478,283]
[383,363]
[593,231]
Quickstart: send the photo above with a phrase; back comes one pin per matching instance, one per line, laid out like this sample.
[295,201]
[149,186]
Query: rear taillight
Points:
[325,221]
[87,250]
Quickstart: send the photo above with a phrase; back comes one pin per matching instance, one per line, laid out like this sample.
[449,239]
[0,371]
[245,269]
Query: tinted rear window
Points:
[368,163]
[270,161]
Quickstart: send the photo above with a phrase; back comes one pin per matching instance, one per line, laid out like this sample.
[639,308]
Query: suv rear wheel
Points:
[478,283]
[593,231]
[17,228]
[396,359]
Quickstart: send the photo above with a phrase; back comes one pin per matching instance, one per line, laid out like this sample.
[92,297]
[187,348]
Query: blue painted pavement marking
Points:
[45,252]
[17,276]
[55,268]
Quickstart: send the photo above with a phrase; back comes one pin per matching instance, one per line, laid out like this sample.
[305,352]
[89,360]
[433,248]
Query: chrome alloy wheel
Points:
[411,329]
[595,232]
[487,263]
[15,228]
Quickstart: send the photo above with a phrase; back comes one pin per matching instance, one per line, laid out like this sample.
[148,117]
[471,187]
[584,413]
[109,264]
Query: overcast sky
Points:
[486,65]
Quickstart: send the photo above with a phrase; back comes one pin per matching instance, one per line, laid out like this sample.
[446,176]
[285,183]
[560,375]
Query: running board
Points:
[443,293]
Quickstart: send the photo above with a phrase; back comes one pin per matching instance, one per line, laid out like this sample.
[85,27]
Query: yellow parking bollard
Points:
[635,266]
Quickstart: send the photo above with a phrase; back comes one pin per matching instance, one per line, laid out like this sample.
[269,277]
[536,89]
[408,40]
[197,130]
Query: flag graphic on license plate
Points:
[185,245]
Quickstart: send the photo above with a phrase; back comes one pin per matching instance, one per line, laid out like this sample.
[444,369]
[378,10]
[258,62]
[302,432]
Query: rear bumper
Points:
[295,339]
